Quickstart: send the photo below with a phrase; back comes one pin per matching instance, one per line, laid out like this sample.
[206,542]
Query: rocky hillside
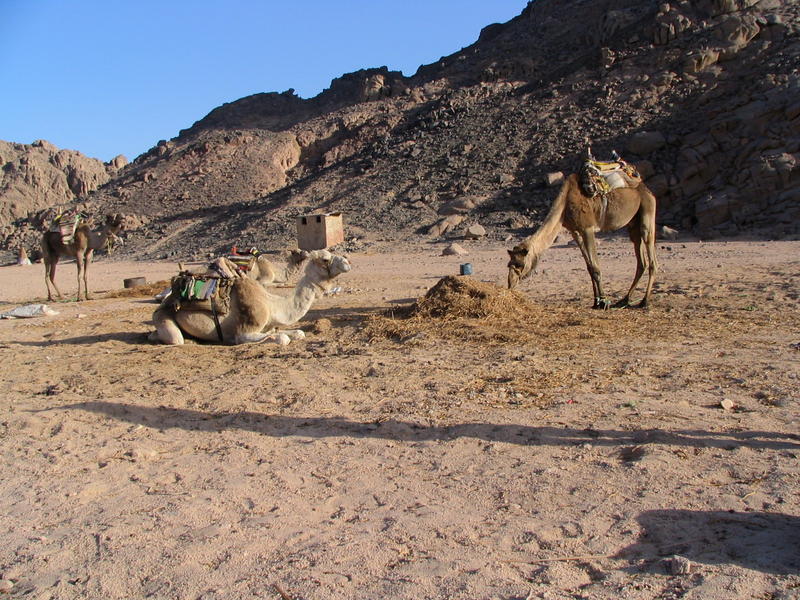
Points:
[38,176]
[704,95]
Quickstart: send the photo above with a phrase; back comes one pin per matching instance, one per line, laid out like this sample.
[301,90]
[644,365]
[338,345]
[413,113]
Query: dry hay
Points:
[458,306]
[463,308]
[140,291]
[467,298]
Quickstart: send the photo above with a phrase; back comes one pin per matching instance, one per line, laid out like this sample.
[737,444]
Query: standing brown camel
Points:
[584,215]
[82,246]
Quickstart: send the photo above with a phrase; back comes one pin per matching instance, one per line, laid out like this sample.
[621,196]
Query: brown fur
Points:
[82,247]
[582,216]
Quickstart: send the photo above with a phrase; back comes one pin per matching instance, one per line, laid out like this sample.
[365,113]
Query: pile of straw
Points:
[458,306]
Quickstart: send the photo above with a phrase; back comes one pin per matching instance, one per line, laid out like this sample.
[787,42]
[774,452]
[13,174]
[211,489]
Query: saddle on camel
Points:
[244,261]
[602,196]
[208,292]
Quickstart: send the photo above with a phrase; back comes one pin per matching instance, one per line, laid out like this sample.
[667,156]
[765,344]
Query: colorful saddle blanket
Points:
[601,177]
[65,224]
[243,262]
[200,292]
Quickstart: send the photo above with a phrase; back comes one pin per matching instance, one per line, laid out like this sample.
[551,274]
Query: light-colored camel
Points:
[82,246]
[259,268]
[268,273]
[582,216]
[254,313]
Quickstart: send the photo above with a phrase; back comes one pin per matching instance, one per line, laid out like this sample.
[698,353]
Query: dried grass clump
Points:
[467,298]
[140,291]
[458,306]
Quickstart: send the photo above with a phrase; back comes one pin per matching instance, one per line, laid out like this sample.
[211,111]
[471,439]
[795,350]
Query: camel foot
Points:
[256,338]
[602,304]
[294,334]
[643,305]
[622,303]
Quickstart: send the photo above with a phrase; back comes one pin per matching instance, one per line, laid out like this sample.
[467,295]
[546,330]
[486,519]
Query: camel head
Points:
[113,225]
[115,222]
[324,267]
[296,257]
[521,263]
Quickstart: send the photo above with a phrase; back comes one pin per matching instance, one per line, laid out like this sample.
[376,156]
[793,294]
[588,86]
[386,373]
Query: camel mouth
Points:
[345,266]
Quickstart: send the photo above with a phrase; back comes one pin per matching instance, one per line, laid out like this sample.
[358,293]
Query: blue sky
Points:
[108,77]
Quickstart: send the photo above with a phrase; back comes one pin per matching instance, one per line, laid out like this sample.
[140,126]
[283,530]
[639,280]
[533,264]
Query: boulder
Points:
[554,178]
[669,24]
[645,142]
[444,225]
[700,60]
[667,233]
[458,206]
[712,210]
[659,185]
[475,232]
[454,250]
[722,7]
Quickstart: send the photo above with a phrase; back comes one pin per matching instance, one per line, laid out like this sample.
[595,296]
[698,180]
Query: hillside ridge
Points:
[700,94]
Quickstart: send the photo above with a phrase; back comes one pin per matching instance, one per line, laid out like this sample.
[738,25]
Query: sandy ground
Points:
[582,454]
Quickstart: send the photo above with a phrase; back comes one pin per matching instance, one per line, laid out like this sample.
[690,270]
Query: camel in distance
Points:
[81,247]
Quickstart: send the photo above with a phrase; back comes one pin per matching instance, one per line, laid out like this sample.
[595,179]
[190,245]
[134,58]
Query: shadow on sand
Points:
[323,427]
[767,542]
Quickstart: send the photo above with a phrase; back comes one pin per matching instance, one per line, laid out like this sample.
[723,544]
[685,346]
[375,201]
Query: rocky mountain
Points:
[35,177]
[703,95]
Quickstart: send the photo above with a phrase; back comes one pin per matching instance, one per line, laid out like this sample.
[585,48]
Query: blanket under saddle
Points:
[66,224]
[601,177]
[209,293]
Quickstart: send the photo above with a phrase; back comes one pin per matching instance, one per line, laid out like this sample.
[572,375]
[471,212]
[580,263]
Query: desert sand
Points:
[573,454]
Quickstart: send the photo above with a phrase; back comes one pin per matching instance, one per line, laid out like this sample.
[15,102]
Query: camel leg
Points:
[648,233]
[79,263]
[586,242]
[167,330]
[50,277]
[256,337]
[86,262]
[635,233]
[576,235]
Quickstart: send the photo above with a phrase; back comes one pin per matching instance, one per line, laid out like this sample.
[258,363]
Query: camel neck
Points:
[297,305]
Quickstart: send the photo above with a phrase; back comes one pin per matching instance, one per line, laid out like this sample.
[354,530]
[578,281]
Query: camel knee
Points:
[167,330]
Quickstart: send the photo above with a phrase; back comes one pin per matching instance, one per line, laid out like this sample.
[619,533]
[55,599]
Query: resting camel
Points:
[84,243]
[260,269]
[254,313]
[268,273]
[582,216]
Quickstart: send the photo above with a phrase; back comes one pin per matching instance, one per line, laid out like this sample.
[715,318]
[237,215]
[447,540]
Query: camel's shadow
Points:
[767,542]
[323,427]
[128,337]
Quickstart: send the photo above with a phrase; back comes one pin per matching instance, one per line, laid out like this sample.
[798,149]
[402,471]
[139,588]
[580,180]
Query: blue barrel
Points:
[466,269]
